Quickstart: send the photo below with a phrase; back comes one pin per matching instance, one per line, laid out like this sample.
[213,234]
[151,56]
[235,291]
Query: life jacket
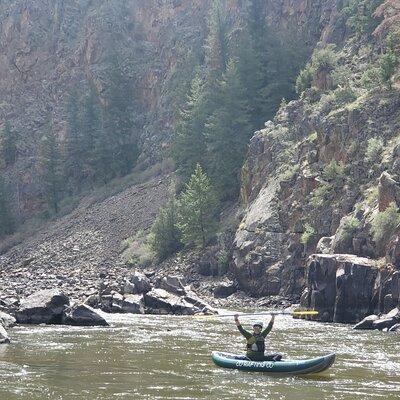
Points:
[256,343]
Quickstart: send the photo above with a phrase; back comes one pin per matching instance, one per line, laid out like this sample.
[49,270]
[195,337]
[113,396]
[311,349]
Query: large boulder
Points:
[341,287]
[43,307]
[395,328]
[82,315]
[367,322]
[172,284]
[388,320]
[4,339]
[7,320]
[129,303]
[137,283]
[159,301]
[225,289]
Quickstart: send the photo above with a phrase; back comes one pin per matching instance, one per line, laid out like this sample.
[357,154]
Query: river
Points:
[166,357]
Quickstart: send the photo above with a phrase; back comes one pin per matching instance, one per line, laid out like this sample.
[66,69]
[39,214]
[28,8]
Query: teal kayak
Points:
[283,367]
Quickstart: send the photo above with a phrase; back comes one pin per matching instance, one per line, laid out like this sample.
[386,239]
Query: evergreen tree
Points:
[119,118]
[228,132]
[50,168]
[73,156]
[217,47]
[189,148]
[93,142]
[197,210]
[388,63]
[165,237]
[6,218]
[8,145]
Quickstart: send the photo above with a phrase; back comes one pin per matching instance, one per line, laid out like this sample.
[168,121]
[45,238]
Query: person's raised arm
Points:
[269,327]
[240,327]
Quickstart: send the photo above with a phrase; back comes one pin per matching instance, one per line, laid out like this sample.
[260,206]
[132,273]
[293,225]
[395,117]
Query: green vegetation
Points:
[197,210]
[308,233]
[136,250]
[165,237]
[321,195]
[373,154]
[323,62]
[334,172]
[242,84]
[8,145]
[385,223]
[349,226]
[50,166]
[7,222]
[360,15]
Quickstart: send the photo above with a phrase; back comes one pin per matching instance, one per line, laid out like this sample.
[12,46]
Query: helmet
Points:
[258,323]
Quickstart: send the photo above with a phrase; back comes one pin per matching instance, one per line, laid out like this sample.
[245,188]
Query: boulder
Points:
[159,301]
[130,303]
[138,283]
[341,287]
[4,339]
[367,322]
[225,289]
[82,315]
[7,320]
[387,321]
[395,328]
[324,245]
[388,191]
[45,306]
[172,284]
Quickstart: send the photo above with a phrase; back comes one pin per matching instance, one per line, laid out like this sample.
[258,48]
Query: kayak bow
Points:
[284,367]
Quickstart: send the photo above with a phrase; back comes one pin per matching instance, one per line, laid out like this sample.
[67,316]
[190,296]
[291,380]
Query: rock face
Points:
[225,289]
[44,307]
[82,315]
[7,320]
[341,288]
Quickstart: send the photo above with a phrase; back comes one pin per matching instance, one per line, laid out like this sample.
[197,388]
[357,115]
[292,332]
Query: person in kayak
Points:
[255,349]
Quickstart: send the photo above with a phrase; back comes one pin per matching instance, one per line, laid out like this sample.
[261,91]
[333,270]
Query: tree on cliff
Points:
[228,131]
[197,210]
[94,145]
[6,218]
[120,115]
[51,168]
[8,145]
[73,153]
[189,147]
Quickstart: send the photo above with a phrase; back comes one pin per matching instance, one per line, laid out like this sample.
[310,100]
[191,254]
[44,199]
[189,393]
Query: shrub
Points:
[385,223]
[321,195]
[325,59]
[374,150]
[344,95]
[223,262]
[304,80]
[308,234]
[348,227]
[136,250]
[333,172]
[165,236]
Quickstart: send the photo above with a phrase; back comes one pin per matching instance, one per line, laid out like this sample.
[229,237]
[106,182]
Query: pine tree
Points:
[165,237]
[189,148]
[8,145]
[197,210]
[6,218]
[73,156]
[119,118]
[51,168]
[228,132]
[92,136]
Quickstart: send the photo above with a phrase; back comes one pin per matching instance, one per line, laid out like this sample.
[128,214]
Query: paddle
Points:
[293,313]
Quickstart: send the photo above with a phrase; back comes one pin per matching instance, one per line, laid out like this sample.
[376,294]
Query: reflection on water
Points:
[164,357]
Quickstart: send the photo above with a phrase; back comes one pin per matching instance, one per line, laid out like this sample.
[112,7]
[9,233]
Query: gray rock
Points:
[172,284]
[395,328]
[367,322]
[131,303]
[140,282]
[225,289]
[43,307]
[4,339]
[159,301]
[82,315]
[7,320]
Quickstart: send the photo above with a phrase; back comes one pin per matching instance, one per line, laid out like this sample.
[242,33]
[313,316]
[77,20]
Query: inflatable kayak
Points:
[283,367]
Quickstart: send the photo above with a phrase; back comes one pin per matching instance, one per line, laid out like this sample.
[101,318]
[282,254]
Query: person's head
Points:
[257,327]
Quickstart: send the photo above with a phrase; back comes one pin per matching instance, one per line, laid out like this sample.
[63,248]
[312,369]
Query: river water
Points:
[165,357]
